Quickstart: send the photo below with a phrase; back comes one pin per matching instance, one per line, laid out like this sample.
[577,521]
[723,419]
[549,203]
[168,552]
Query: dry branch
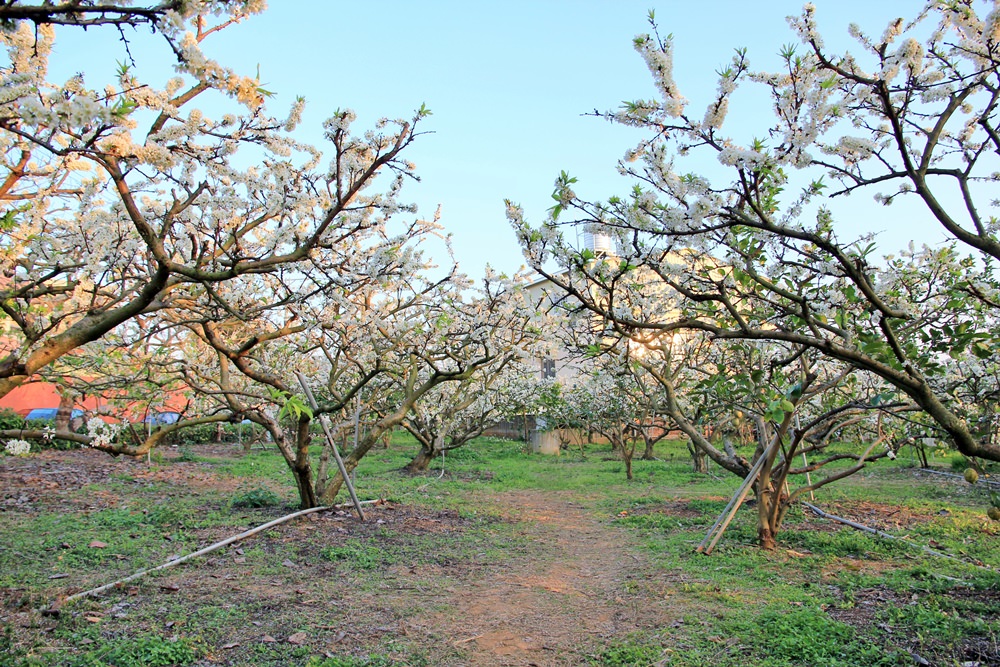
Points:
[206,550]
[874,531]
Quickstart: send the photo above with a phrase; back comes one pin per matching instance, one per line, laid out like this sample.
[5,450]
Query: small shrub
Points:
[357,553]
[152,651]
[185,455]
[810,637]
[632,653]
[10,420]
[255,498]
[221,432]
[354,661]
[959,463]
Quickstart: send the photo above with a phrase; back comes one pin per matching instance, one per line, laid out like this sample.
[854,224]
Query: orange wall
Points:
[44,395]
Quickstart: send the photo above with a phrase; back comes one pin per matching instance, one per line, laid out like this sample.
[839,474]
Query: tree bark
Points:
[421,461]
[698,458]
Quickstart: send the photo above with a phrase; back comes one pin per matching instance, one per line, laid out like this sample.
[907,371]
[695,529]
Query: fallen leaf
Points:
[288,563]
[239,560]
[97,544]
[58,576]
[298,638]
[171,588]
[229,646]
[93,619]
[268,639]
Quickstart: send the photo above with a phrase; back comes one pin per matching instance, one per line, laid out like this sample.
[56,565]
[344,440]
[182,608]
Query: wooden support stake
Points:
[200,552]
[720,525]
[332,444]
[207,550]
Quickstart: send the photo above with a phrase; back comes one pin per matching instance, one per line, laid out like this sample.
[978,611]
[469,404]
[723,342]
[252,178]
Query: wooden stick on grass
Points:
[206,550]
[875,531]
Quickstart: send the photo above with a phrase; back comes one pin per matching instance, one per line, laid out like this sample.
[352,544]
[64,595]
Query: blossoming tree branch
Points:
[743,236]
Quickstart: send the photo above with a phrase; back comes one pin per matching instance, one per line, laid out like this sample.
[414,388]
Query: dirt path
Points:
[560,606]
[569,584]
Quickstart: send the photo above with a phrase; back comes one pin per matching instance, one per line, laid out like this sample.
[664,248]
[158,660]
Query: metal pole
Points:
[332,444]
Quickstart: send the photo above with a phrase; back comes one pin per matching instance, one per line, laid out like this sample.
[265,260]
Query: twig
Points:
[989,483]
[875,531]
[207,550]
[466,641]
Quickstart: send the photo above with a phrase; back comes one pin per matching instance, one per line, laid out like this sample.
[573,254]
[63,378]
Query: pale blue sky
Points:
[507,83]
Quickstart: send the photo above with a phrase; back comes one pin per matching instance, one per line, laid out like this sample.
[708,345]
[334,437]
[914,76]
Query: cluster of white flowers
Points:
[715,115]
[103,433]
[659,59]
[854,149]
[733,156]
[339,122]
[17,448]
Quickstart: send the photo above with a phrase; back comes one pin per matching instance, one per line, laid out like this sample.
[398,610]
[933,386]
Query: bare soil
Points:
[577,593]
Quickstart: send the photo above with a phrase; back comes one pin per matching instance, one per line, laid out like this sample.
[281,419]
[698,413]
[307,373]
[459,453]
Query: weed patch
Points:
[255,498]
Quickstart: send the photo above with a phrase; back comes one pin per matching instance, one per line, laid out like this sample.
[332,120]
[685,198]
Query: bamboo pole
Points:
[874,531]
[207,550]
[727,515]
[200,552]
[332,444]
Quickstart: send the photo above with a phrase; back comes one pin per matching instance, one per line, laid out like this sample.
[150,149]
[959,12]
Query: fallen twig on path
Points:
[466,641]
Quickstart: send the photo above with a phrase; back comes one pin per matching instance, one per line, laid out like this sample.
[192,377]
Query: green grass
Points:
[741,605]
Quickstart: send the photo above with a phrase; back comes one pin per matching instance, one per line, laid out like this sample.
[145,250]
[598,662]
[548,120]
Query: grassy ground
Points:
[500,540]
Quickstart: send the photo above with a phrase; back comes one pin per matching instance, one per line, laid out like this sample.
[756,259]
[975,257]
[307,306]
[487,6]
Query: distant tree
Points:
[455,413]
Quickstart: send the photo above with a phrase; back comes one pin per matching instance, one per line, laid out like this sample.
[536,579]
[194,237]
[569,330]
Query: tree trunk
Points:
[302,468]
[429,450]
[64,414]
[698,458]
[337,482]
[766,503]
[421,461]
[304,482]
[647,454]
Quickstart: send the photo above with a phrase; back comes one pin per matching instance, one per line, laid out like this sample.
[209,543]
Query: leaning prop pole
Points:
[332,444]
[880,533]
[720,525]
